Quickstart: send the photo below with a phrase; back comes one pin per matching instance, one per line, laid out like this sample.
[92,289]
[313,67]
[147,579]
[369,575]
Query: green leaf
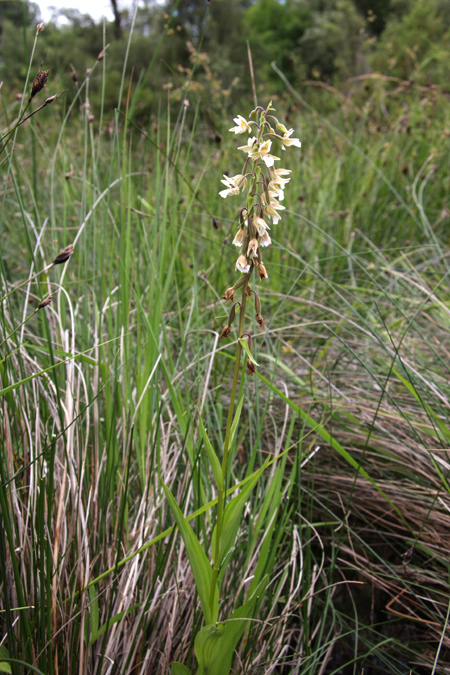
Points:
[213,459]
[93,612]
[179,669]
[244,344]
[114,619]
[237,416]
[75,357]
[215,645]
[4,654]
[232,518]
[200,565]
[443,430]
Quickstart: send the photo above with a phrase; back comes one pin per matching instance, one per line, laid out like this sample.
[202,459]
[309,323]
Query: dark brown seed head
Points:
[64,255]
[74,75]
[39,82]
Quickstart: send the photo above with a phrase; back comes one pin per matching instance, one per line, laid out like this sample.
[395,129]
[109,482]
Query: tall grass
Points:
[101,392]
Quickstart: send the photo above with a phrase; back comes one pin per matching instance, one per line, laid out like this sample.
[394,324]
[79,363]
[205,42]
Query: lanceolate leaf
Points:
[200,565]
[237,416]
[213,459]
[215,645]
[232,517]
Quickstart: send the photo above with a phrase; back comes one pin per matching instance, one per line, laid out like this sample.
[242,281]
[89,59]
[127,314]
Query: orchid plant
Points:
[263,186]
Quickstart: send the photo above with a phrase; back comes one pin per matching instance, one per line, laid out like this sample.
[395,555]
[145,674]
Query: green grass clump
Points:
[102,390]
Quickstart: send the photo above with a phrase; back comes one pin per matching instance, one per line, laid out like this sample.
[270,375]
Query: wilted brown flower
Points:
[250,367]
[64,255]
[226,331]
[260,321]
[229,294]
[262,272]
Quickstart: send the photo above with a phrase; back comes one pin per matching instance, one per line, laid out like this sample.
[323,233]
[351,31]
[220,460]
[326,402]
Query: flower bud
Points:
[281,128]
[257,303]
[232,314]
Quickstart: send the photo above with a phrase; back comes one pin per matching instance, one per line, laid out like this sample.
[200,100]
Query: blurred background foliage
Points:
[315,43]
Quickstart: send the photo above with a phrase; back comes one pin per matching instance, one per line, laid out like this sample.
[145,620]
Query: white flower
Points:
[252,251]
[242,264]
[265,240]
[232,186]
[277,183]
[240,236]
[262,151]
[276,176]
[271,209]
[286,141]
[260,225]
[277,191]
[252,141]
[241,125]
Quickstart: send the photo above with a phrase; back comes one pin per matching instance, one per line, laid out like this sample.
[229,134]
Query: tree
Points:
[275,30]
[376,13]
[22,14]
[117,24]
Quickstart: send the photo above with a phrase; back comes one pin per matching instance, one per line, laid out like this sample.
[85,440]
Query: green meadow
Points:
[116,387]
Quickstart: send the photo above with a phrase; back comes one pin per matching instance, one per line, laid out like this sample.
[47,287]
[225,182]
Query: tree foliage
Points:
[206,45]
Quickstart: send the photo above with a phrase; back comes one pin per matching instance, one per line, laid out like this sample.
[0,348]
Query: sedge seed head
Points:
[39,82]
[64,255]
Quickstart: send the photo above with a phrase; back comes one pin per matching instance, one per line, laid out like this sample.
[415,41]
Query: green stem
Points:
[226,448]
